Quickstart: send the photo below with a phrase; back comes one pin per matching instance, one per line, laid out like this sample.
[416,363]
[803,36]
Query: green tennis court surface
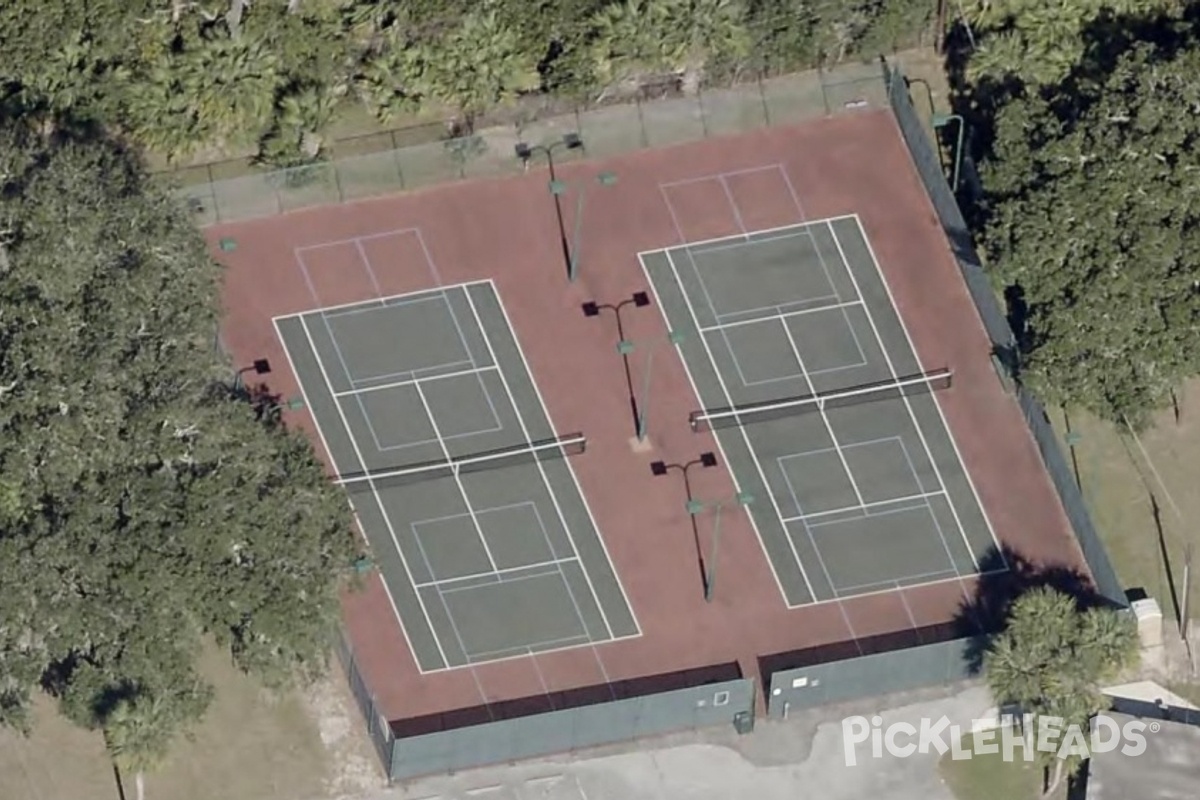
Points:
[461,484]
[851,497]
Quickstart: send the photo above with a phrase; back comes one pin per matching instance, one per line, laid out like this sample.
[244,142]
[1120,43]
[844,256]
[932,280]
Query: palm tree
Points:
[638,38]
[137,733]
[1052,659]
[480,64]
[1037,41]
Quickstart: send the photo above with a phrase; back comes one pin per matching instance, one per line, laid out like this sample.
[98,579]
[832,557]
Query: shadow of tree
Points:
[1006,575]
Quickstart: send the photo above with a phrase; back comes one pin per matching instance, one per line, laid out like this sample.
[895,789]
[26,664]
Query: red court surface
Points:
[506,230]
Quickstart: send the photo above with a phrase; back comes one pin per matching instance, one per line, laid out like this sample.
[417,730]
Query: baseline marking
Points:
[895,376]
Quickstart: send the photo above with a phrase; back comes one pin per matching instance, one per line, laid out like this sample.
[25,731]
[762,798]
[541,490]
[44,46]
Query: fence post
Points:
[637,102]
[824,94]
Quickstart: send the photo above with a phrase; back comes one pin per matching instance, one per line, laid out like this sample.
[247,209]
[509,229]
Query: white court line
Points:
[497,573]
[824,416]
[893,585]
[502,582]
[545,409]
[745,237]
[525,431]
[400,384]
[354,239]
[937,404]
[387,589]
[783,315]
[462,490]
[381,304]
[924,504]
[729,399]
[367,265]
[378,502]
[912,467]
[737,214]
[717,175]
[349,501]
[385,301]
[749,242]
[357,383]
[925,496]
[908,405]
[732,317]
[462,645]
[486,656]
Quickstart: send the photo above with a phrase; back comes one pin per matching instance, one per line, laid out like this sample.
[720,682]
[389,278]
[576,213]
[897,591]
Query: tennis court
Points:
[460,482]
[824,413]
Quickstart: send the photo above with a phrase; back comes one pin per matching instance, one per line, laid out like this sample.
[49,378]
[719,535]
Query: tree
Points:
[1093,222]
[1052,659]
[144,505]
[479,64]
[1041,42]
[139,728]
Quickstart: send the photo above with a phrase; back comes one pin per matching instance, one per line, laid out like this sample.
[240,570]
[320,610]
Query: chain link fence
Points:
[995,321]
[377,725]
[917,667]
[618,712]
[607,130]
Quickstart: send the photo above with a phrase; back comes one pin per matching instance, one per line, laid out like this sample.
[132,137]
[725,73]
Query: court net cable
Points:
[750,413]
[529,453]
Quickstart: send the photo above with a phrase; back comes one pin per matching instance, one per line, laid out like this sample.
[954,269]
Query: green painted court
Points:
[462,485]
[822,409]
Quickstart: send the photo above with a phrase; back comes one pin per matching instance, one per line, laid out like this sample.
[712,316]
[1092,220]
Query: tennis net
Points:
[750,413]
[532,452]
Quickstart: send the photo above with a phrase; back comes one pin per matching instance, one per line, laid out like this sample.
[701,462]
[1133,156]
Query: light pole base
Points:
[641,445]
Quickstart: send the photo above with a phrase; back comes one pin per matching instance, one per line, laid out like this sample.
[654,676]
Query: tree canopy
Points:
[183,76]
[144,503]
[1093,220]
[1052,659]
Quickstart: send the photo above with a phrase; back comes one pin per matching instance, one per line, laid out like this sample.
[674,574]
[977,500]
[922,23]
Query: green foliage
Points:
[1052,659]
[1041,42]
[144,505]
[1093,214]
[180,77]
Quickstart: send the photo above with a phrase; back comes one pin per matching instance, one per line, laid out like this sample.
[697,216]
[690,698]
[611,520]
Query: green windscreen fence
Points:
[841,680]
[604,716]
[929,168]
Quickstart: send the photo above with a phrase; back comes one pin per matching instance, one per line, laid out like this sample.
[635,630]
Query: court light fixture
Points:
[707,459]
[592,309]
[570,140]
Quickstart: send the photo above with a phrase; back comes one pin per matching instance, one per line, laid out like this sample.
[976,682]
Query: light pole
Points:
[695,507]
[593,309]
[625,347]
[525,152]
[704,461]
[261,366]
[558,189]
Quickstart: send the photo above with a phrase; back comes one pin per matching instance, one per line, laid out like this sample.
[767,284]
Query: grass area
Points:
[253,745]
[990,777]
[1140,490]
